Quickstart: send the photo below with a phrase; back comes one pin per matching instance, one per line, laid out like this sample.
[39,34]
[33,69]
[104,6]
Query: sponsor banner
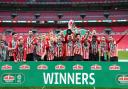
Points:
[86,74]
[122,79]
[12,78]
[6,67]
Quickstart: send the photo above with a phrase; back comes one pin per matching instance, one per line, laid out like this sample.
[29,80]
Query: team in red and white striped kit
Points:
[12,45]
[59,47]
[85,48]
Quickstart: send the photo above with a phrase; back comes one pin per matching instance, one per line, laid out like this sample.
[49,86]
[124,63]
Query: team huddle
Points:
[59,47]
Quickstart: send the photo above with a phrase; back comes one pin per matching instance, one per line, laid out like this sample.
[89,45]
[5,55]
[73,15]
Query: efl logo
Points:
[42,67]
[77,67]
[114,67]
[6,67]
[24,67]
[122,79]
[8,78]
[60,67]
[96,67]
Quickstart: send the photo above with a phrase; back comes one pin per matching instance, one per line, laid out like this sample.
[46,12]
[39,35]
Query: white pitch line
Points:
[123,60]
[43,87]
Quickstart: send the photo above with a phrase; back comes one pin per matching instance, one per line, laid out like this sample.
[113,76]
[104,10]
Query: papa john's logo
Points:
[122,79]
[42,67]
[24,67]
[114,67]
[6,67]
[96,67]
[8,78]
[60,67]
[77,67]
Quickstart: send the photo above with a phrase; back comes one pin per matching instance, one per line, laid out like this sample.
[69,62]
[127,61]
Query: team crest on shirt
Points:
[42,67]
[24,67]
[114,67]
[77,67]
[6,67]
[96,67]
[60,67]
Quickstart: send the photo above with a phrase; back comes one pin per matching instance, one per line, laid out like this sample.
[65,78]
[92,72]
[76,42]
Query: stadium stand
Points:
[50,15]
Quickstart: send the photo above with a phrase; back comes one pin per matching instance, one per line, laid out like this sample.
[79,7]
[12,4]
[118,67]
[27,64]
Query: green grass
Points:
[123,55]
